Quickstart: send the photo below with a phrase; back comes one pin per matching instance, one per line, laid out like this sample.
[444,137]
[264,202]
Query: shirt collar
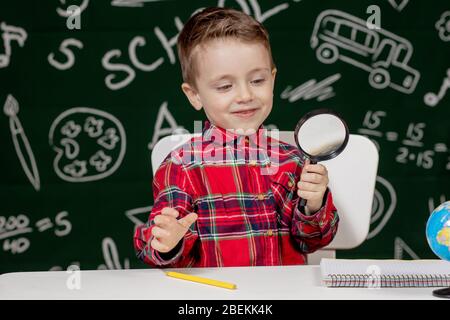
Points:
[210,131]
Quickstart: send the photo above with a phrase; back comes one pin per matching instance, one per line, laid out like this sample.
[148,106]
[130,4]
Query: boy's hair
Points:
[214,23]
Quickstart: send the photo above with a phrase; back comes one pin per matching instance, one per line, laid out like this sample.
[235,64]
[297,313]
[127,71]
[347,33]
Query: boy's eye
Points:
[224,87]
[258,81]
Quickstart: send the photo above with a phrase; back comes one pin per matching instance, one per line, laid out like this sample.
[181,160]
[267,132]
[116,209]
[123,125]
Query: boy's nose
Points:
[245,94]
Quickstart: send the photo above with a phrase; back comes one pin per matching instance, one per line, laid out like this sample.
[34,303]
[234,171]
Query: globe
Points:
[438,231]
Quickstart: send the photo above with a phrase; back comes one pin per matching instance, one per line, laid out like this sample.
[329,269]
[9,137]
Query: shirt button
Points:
[252,163]
[290,184]
[269,233]
[261,196]
[246,139]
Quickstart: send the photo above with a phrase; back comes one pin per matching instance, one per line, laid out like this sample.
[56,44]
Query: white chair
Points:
[352,177]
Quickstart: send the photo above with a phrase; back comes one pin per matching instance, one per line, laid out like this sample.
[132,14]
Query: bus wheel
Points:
[379,78]
[327,53]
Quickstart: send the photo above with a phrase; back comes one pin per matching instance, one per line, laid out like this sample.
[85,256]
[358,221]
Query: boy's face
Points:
[234,83]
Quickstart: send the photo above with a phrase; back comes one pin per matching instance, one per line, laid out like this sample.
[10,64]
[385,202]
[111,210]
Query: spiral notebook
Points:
[385,273]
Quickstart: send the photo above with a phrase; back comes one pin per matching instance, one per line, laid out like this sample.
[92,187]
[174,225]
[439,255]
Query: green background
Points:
[101,230]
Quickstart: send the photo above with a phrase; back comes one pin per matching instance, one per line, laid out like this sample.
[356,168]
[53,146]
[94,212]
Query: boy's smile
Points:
[234,83]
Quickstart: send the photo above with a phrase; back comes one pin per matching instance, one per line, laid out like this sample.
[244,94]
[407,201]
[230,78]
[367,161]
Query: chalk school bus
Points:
[338,35]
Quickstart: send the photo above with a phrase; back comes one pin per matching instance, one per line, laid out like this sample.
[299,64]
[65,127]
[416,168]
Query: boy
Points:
[229,212]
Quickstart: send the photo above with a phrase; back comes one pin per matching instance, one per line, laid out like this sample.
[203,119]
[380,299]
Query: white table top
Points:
[253,283]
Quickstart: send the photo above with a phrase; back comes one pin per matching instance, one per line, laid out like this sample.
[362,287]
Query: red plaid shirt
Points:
[246,217]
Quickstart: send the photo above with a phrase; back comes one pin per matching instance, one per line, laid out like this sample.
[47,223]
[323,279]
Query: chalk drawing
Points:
[90,144]
[9,34]
[131,3]
[398,5]
[140,41]
[109,79]
[67,52]
[21,143]
[111,256]
[133,214]
[340,36]
[312,90]
[432,205]
[14,230]
[443,26]
[432,99]
[159,131]
[93,127]
[400,247]
[384,203]
[64,13]
[257,12]
[100,161]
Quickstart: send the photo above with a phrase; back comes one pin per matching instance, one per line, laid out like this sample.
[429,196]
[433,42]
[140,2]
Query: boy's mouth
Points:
[245,113]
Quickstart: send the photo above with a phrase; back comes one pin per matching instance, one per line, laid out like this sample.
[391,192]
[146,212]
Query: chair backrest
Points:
[352,177]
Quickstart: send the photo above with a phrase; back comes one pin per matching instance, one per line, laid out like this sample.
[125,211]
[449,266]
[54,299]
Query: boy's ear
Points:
[274,73]
[192,95]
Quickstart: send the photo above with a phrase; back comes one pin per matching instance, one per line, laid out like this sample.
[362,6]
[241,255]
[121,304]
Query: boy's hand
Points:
[312,185]
[168,230]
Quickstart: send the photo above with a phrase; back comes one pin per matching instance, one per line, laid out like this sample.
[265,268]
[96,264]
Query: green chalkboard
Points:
[84,107]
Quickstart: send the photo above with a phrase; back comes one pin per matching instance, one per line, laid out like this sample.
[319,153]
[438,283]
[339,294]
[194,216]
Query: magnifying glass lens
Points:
[321,135]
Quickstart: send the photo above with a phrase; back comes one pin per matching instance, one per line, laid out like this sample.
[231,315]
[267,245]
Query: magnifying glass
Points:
[321,135]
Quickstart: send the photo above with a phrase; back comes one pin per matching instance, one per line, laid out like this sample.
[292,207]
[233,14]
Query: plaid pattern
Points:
[245,217]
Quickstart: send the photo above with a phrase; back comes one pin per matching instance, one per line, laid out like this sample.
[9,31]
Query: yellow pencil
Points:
[211,282]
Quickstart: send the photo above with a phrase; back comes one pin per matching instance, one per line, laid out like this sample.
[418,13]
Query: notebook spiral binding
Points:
[384,281]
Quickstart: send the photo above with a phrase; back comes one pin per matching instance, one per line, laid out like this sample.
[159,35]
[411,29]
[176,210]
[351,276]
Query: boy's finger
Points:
[317,168]
[308,195]
[307,162]
[170,212]
[188,220]
[161,220]
[158,246]
[311,177]
[159,232]
[308,186]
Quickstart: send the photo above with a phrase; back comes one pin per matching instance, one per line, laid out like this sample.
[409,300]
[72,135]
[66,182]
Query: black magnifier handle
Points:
[302,202]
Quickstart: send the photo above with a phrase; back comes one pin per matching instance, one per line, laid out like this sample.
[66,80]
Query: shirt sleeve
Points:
[170,189]
[310,231]
[316,230]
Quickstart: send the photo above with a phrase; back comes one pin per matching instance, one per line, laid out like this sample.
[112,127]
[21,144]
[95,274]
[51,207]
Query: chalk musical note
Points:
[9,34]
[431,99]
[20,141]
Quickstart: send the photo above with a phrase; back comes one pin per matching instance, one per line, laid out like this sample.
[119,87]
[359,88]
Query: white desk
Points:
[253,283]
